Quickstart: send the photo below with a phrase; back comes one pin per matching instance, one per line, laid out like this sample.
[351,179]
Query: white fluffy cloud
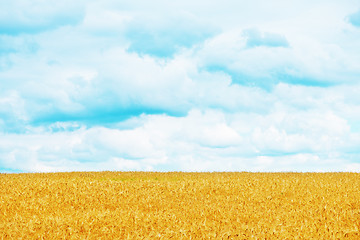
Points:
[202,140]
[193,86]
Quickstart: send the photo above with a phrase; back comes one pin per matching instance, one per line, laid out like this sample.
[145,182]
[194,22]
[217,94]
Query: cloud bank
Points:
[179,87]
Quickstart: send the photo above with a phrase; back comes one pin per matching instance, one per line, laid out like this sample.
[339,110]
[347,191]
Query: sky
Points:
[187,85]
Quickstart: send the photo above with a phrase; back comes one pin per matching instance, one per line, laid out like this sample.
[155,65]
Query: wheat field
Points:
[176,205]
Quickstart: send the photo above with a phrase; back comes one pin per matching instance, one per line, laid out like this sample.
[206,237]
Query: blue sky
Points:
[179,85]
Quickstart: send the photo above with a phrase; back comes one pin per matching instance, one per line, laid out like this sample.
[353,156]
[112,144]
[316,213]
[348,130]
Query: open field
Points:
[146,205]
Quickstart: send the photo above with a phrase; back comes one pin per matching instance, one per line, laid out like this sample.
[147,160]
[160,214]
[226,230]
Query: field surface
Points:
[174,205]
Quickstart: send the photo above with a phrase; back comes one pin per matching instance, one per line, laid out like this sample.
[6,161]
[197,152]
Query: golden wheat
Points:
[148,205]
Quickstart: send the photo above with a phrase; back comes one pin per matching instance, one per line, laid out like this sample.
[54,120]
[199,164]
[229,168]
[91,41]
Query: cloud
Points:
[93,149]
[10,45]
[154,37]
[254,38]
[12,112]
[354,19]
[35,16]
[209,140]
[108,94]
[182,86]
[304,62]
